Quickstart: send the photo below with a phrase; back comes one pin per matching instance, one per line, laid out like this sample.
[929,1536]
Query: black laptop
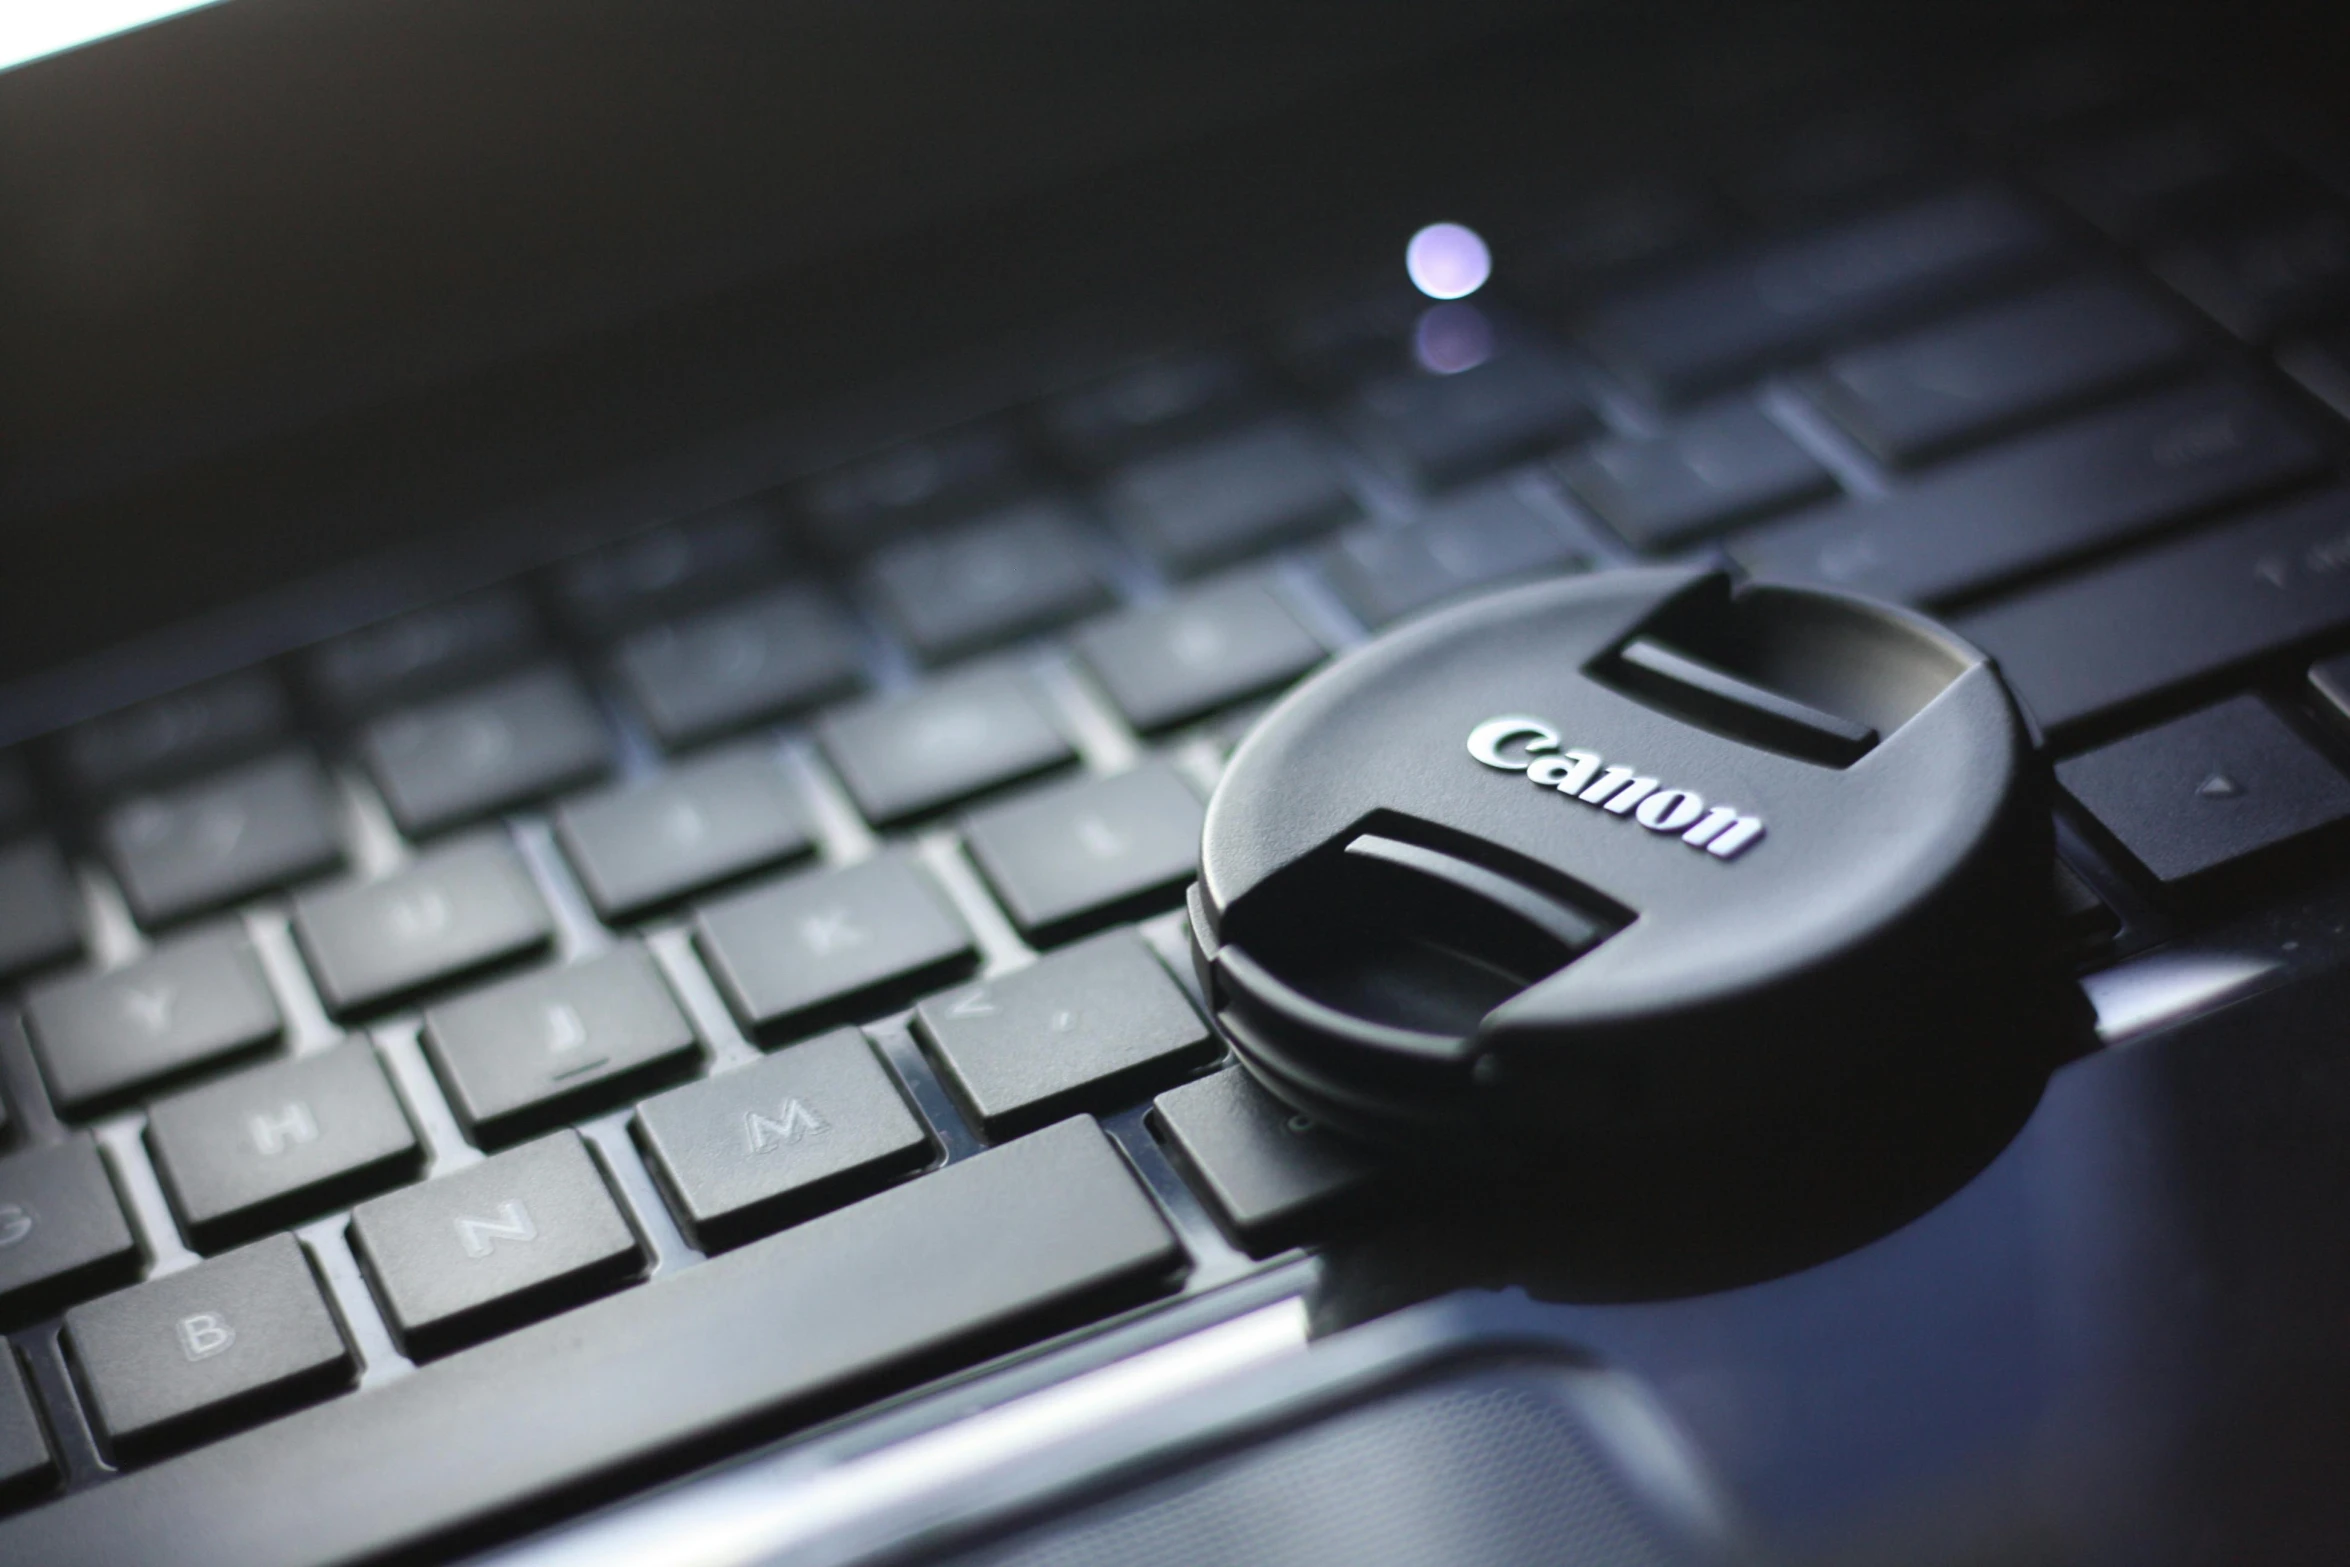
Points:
[1192,783]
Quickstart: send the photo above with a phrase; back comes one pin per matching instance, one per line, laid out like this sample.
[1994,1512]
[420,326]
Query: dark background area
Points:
[282,281]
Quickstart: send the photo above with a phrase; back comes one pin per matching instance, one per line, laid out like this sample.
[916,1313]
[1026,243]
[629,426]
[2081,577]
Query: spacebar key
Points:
[1002,1247]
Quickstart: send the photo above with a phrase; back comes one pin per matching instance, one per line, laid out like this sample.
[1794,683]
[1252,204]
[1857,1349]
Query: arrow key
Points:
[2205,794]
[805,1130]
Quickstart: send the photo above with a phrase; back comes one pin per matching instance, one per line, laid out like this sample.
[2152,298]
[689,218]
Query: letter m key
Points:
[480,1237]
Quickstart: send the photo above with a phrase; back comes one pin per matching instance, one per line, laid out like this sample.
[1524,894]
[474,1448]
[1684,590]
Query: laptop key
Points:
[39,922]
[644,845]
[667,571]
[1074,856]
[1950,385]
[420,654]
[811,1127]
[63,1236]
[226,1343]
[190,1003]
[1269,1173]
[913,753]
[2211,792]
[453,912]
[1474,538]
[1003,576]
[1170,663]
[2260,274]
[207,845]
[463,757]
[1711,326]
[2038,503]
[869,502]
[2179,613]
[1001,1249]
[542,1048]
[173,737]
[26,1467]
[1211,503]
[281,1143]
[727,669]
[1149,406]
[1089,1027]
[1437,430]
[520,1235]
[1717,466]
[825,946]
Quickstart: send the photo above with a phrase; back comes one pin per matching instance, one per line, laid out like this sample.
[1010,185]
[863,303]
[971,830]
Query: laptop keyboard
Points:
[760,933]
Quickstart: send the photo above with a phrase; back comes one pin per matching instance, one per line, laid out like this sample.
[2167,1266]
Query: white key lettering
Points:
[16,1223]
[419,915]
[205,1335]
[150,1009]
[479,1237]
[788,1125]
[566,1029]
[1098,838]
[291,1125]
[972,1004]
[829,932]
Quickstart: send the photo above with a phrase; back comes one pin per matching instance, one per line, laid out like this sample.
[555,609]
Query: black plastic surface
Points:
[1621,861]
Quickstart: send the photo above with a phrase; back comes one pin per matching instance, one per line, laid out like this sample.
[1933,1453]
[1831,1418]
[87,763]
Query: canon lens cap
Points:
[1645,857]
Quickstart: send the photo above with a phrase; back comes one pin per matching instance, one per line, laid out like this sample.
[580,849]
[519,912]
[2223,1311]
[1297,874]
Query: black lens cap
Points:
[1644,858]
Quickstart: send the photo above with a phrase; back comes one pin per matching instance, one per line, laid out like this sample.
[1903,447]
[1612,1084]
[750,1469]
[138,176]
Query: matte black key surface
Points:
[1718,466]
[460,908]
[464,757]
[869,502]
[1085,1028]
[420,654]
[172,737]
[1148,406]
[807,1129]
[40,923]
[206,845]
[62,1232]
[1436,430]
[192,1002]
[1474,538]
[2209,791]
[1268,1172]
[2039,502]
[2265,272]
[2113,636]
[540,1048]
[518,1236]
[1713,325]
[223,1344]
[726,669]
[1211,503]
[962,734]
[1173,662]
[993,1251]
[824,946]
[957,590]
[281,1143]
[1079,854]
[1951,384]
[26,1467]
[643,845]
[667,571]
